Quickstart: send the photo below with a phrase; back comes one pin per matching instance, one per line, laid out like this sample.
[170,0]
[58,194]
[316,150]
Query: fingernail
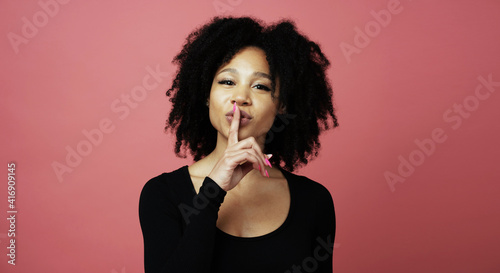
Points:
[267,162]
[259,168]
[269,156]
[266,173]
[234,107]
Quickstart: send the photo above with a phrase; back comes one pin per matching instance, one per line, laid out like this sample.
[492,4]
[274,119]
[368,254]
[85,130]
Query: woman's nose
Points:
[241,95]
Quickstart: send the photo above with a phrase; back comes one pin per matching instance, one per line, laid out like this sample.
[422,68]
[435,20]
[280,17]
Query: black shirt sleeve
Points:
[178,236]
[325,229]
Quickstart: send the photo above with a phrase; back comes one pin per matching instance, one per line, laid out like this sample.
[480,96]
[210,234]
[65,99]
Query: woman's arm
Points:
[325,229]
[169,248]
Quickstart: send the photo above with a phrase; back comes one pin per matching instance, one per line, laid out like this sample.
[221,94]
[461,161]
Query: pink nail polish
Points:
[267,162]
[266,173]
[260,168]
[234,107]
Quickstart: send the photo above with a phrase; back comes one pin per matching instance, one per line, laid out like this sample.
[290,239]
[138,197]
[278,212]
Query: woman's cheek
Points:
[268,126]
[212,117]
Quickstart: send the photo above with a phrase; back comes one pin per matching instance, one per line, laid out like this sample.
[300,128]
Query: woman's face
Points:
[245,80]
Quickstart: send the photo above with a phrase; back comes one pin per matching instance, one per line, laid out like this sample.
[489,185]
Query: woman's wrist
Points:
[212,189]
[222,187]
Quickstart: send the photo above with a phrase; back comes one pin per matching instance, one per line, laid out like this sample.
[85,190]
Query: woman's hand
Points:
[239,158]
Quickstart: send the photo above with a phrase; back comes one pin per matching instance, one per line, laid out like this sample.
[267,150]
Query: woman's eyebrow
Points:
[232,70]
[257,74]
[263,75]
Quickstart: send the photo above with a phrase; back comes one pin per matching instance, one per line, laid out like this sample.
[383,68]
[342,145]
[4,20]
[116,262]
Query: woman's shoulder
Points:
[174,183]
[306,184]
[309,192]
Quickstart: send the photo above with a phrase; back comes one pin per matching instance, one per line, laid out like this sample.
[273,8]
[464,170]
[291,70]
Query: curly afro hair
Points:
[304,90]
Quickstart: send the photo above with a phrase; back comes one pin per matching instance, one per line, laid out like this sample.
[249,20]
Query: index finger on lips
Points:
[235,124]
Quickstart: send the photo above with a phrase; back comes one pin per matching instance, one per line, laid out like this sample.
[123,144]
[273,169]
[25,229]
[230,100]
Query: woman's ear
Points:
[282,110]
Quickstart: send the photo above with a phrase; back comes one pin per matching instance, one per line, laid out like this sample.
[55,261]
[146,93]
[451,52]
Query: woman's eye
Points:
[262,87]
[226,82]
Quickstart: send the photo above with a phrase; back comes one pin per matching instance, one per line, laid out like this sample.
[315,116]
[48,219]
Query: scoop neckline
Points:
[267,235]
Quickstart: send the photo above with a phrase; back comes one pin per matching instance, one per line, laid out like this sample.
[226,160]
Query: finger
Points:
[235,124]
[257,163]
[250,143]
[249,156]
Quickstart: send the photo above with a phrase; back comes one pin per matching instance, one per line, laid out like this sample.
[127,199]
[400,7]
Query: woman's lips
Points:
[243,121]
[244,117]
[243,114]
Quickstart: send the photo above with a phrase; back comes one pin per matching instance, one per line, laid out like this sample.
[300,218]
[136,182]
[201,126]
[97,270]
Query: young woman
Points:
[248,103]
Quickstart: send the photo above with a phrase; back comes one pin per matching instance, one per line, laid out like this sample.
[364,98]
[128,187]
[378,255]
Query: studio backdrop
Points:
[413,167]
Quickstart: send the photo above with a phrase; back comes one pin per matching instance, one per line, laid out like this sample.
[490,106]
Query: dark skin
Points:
[258,198]
[257,207]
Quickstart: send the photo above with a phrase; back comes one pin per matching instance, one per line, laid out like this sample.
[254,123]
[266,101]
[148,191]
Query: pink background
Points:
[390,94]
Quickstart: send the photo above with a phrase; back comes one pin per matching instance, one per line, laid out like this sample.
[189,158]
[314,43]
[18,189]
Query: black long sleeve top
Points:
[180,233]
